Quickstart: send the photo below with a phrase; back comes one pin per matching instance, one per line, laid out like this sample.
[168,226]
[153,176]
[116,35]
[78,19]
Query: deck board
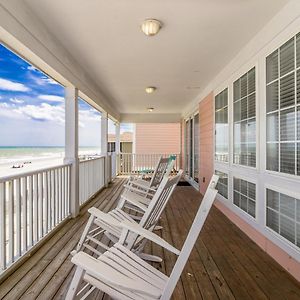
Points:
[224,264]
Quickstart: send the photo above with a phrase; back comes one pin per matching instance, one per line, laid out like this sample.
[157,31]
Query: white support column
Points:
[118,142]
[118,148]
[71,145]
[104,128]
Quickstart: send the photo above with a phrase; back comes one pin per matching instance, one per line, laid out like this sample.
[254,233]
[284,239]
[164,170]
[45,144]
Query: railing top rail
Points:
[150,153]
[30,173]
[91,159]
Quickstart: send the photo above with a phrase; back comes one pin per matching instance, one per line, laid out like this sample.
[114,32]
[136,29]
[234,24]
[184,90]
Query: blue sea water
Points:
[8,154]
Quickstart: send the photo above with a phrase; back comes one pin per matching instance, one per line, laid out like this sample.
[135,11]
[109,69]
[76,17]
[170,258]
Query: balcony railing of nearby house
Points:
[130,163]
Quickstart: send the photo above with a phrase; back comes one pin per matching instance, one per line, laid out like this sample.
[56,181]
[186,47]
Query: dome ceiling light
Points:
[150,89]
[151,27]
[150,109]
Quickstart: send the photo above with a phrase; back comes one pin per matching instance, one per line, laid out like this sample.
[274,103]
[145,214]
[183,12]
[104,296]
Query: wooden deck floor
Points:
[225,263]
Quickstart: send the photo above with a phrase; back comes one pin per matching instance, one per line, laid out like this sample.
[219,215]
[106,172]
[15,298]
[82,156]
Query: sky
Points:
[32,108]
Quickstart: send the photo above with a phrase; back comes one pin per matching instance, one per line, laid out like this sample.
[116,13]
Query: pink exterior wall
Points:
[286,261]
[206,141]
[157,138]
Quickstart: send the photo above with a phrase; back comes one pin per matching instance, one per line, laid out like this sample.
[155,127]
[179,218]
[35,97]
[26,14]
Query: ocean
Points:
[20,154]
[16,160]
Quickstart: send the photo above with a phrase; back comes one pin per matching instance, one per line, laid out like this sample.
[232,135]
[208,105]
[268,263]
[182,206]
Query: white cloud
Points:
[41,79]
[8,85]
[43,112]
[49,80]
[51,98]
[31,68]
[16,100]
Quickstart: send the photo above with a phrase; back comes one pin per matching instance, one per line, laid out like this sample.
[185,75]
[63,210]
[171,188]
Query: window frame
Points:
[279,109]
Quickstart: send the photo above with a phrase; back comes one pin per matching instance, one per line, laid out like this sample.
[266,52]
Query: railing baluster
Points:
[24,213]
[52,198]
[45,205]
[40,206]
[18,216]
[60,194]
[63,199]
[30,209]
[11,222]
[3,260]
[36,208]
[56,197]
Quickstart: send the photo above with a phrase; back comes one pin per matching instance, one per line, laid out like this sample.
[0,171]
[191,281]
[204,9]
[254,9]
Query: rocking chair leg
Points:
[84,235]
[75,284]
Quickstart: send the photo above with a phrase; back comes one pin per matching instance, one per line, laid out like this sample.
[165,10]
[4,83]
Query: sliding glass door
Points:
[192,148]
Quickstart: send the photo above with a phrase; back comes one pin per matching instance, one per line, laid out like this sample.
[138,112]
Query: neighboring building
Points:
[157,138]
[126,140]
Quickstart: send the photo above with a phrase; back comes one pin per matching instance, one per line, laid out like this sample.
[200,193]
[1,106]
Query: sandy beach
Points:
[36,164]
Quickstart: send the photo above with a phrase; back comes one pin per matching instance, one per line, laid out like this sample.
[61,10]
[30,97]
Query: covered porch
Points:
[217,88]
[225,263]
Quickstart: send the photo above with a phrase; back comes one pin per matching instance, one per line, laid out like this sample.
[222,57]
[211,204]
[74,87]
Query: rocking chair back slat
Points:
[156,206]
[159,172]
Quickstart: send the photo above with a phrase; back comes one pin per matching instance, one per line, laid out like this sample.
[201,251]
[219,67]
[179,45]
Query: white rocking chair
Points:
[123,275]
[162,169]
[109,223]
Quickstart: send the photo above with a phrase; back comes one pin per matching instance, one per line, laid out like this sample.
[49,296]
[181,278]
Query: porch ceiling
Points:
[198,39]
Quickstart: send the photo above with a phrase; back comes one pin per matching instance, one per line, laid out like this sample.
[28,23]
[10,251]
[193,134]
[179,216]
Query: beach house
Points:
[213,83]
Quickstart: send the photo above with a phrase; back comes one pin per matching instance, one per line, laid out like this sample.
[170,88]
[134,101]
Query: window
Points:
[111,147]
[283,215]
[244,195]
[244,97]
[283,108]
[222,185]
[221,126]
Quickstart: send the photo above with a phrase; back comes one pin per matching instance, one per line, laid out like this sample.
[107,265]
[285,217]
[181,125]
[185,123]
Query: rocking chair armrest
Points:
[136,228]
[104,217]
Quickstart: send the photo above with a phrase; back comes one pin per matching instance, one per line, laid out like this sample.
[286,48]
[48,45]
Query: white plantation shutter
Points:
[283,215]
[244,108]
[298,50]
[287,91]
[221,126]
[272,97]
[287,57]
[222,185]
[283,108]
[287,125]
[244,195]
[272,66]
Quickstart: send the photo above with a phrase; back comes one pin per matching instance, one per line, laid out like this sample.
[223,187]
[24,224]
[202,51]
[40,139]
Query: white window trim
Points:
[288,184]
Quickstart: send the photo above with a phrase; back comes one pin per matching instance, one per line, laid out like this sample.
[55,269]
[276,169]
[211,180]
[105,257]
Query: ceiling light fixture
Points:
[150,109]
[150,89]
[151,27]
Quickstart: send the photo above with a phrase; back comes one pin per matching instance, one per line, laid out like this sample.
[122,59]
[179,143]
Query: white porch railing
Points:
[91,178]
[128,163]
[31,205]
